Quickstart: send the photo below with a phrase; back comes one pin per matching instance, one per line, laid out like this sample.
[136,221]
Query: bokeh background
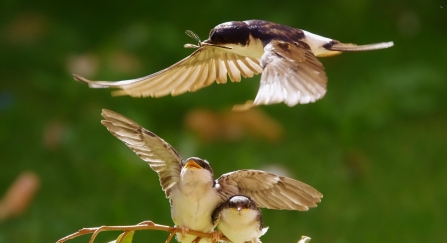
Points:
[375,146]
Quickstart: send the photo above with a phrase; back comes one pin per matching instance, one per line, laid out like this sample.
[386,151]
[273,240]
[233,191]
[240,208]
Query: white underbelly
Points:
[239,227]
[254,49]
[194,210]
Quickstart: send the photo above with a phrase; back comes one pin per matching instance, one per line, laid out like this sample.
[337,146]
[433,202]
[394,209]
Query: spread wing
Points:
[204,66]
[292,74]
[160,156]
[269,190]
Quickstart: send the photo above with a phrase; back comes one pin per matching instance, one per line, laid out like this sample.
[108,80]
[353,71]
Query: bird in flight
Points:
[286,58]
[190,186]
[240,220]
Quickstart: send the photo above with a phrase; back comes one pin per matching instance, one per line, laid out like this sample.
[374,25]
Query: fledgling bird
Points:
[286,57]
[240,220]
[190,186]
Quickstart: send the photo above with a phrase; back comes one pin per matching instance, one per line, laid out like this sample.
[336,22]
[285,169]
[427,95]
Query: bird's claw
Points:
[184,232]
[215,236]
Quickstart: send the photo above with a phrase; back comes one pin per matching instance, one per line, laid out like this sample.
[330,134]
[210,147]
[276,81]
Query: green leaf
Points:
[125,237]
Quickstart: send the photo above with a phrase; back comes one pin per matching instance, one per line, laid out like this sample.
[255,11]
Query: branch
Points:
[145,225]
[149,225]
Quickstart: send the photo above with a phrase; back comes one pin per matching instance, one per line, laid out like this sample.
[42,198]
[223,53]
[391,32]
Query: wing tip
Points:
[90,83]
[116,119]
[80,78]
[106,113]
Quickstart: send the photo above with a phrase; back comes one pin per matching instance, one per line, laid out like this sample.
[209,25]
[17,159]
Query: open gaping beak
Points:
[192,164]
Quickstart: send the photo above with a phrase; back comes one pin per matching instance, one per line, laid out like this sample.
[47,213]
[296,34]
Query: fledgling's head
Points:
[196,166]
[240,203]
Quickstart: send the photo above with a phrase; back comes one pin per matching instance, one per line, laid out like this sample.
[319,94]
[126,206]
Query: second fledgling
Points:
[240,220]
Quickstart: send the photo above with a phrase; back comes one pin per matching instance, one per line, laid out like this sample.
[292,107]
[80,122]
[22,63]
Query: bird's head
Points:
[196,167]
[241,203]
[234,32]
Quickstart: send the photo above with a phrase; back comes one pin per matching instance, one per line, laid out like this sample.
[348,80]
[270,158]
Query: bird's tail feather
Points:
[353,47]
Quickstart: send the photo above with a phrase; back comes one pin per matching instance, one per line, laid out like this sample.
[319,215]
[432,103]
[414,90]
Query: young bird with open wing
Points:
[190,186]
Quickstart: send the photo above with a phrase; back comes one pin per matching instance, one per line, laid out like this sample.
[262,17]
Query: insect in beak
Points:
[195,37]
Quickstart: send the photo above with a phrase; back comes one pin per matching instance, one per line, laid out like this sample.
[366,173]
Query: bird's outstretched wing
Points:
[292,74]
[160,156]
[269,190]
[200,69]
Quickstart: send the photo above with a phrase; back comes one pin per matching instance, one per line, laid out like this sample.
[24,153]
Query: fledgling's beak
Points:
[192,164]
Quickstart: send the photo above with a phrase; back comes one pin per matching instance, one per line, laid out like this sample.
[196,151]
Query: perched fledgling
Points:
[240,220]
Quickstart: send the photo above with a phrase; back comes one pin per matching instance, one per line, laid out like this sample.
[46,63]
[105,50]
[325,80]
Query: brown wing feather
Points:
[160,156]
[269,190]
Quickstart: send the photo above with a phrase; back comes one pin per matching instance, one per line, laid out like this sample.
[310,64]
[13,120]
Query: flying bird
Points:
[240,220]
[190,186]
[285,56]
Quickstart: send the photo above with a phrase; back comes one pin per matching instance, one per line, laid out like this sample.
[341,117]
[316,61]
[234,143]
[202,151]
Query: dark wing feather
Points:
[200,69]
[217,213]
[160,156]
[269,190]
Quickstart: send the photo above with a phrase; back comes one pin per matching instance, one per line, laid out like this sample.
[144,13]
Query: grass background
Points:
[375,146]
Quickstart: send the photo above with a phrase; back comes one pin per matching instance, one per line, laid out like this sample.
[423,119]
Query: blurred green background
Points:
[375,146]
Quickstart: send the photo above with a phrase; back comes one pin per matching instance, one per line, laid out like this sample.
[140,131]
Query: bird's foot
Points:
[184,231]
[215,236]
